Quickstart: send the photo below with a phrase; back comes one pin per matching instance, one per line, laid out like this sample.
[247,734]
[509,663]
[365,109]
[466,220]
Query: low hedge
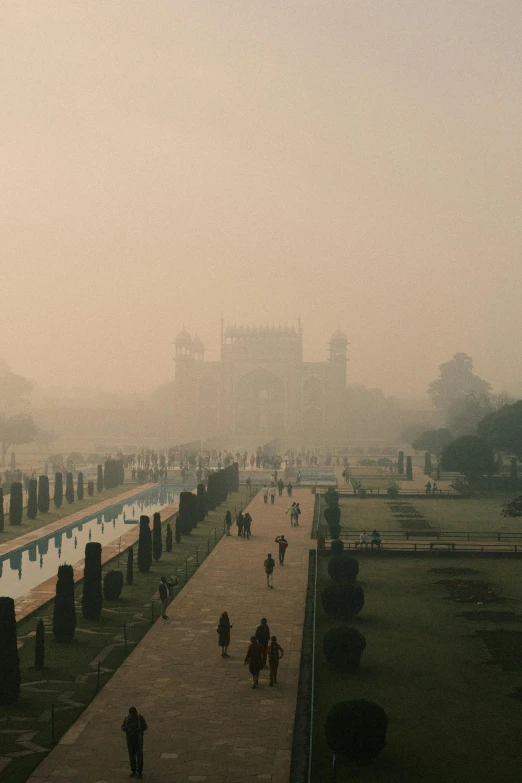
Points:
[343,648]
[356,729]
[342,600]
[343,569]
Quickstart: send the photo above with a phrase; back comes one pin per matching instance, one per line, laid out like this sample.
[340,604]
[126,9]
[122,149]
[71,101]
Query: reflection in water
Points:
[27,570]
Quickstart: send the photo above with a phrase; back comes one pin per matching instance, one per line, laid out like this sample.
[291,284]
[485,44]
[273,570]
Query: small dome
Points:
[183,338]
[197,345]
[338,337]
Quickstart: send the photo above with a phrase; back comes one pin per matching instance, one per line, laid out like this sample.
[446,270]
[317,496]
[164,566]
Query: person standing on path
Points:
[275,653]
[289,490]
[228,521]
[269,565]
[240,523]
[263,637]
[297,513]
[223,629]
[134,725]
[280,487]
[272,493]
[164,589]
[293,514]
[265,493]
[283,544]
[247,522]
[254,658]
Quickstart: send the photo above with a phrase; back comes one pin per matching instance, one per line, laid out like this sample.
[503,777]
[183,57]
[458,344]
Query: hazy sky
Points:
[357,163]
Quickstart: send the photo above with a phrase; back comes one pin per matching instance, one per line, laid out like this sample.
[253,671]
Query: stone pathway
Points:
[205,721]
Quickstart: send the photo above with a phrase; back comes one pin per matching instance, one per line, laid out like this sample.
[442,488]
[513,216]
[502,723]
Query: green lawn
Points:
[68,666]
[55,514]
[445,514]
[450,714]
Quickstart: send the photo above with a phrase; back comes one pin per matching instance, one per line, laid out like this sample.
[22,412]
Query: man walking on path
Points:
[240,523]
[289,490]
[164,589]
[269,571]
[283,543]
[293,514]
[247,522]
[254,658]
[280,487]
[263,637]
[275,653]
[228,522]
[265,493]
[297,513]
[272,493]
[134,725]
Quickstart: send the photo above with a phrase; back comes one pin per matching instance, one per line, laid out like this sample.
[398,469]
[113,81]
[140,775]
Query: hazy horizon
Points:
[355,164]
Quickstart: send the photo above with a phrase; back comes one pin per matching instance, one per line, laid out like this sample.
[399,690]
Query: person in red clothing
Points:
[254,658]
[283,543]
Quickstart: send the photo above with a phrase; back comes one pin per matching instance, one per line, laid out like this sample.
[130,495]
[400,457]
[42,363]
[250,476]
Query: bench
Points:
[446,544]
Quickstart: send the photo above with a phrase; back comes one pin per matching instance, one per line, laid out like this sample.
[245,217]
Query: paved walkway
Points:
[205,721]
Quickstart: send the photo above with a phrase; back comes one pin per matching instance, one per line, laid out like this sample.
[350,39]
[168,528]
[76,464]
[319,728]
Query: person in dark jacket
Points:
[263,637]
[240,523]
[254,658]
[223,629]
[134,725]
[247,522]
[228,522]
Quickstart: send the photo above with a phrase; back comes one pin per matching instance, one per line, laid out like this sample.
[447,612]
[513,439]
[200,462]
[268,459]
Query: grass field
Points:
[445,514]
[450,714]
[69,677]
[55,514]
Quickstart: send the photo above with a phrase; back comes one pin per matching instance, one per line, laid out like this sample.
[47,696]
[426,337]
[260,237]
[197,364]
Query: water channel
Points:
[27,567]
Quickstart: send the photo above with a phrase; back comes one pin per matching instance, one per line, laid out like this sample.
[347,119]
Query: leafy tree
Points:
[464,413]
[43,494]
[112,585]
[32,500]
[39,646]
[433,441]
[75,458]
[58,489]
[64,614]
[16,429]
[130,566]
[157,544]
[79,486]
[503,429]
[69,488]
[144,545]
[469,455]
[92,598]
[16,503]
[10,677]
[456,379]
[14,389]
[512,508]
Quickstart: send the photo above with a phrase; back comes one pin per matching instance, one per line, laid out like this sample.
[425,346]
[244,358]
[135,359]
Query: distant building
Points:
[261,388]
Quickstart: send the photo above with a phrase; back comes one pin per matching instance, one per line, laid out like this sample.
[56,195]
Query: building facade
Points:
[261,388]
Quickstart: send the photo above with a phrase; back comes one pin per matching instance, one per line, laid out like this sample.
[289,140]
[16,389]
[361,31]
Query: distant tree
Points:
[456,379]
[10,677]
[64,613]
[412,432]
[99,482]
[79,486]
[16,503]
[92,598]
[58,489]
[16,429]
[503,429]
[39,646]
[469,455]
[512,508]
[75,458]
[144,545]
[2,515]
[433,441]
[43,494]
[427,462]
[464,413]
[69,488]
[32,500]
[157,544]
[130,566]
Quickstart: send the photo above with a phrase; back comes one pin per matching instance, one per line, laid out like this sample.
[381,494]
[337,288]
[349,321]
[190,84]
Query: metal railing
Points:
[451,535]
[312,698]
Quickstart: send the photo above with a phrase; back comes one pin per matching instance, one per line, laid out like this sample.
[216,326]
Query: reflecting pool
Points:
[30,565]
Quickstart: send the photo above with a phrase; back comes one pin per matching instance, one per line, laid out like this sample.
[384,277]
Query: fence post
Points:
[197,555]
[152,612]
[186,570]
[208,545]
[98,677]
[52,724]
[125,637]
[215,536]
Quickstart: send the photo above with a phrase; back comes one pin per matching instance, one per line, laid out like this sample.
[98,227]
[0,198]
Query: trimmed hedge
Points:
[16,503]
[64,614]
[343,647]
[144,545]
[99,479]
[79,486]
[58,489]
[112,585]
[188,505]
[343,569]
[356,729]
[69,488]
[337,547]
[43,494]
[157,544]
[10,677]
[201,510]
[90,488]
[92,598]
[32,500]
[39,646]
[130,566]
[342,600]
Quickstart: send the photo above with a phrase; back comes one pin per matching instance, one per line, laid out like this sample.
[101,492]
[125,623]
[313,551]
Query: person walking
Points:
[280,487]
[293,515]
[164,589]
[247,522]
[134,725]
[297,513]
[269,565]
[262,635]
[228,521]
[272,494]
[283,544]
[254,658]
[240,523]
[223,629]
[275,652]
[289,490]
[265,494]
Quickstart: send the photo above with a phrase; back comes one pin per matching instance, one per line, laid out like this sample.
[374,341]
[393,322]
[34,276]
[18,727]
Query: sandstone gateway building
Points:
[261,388]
